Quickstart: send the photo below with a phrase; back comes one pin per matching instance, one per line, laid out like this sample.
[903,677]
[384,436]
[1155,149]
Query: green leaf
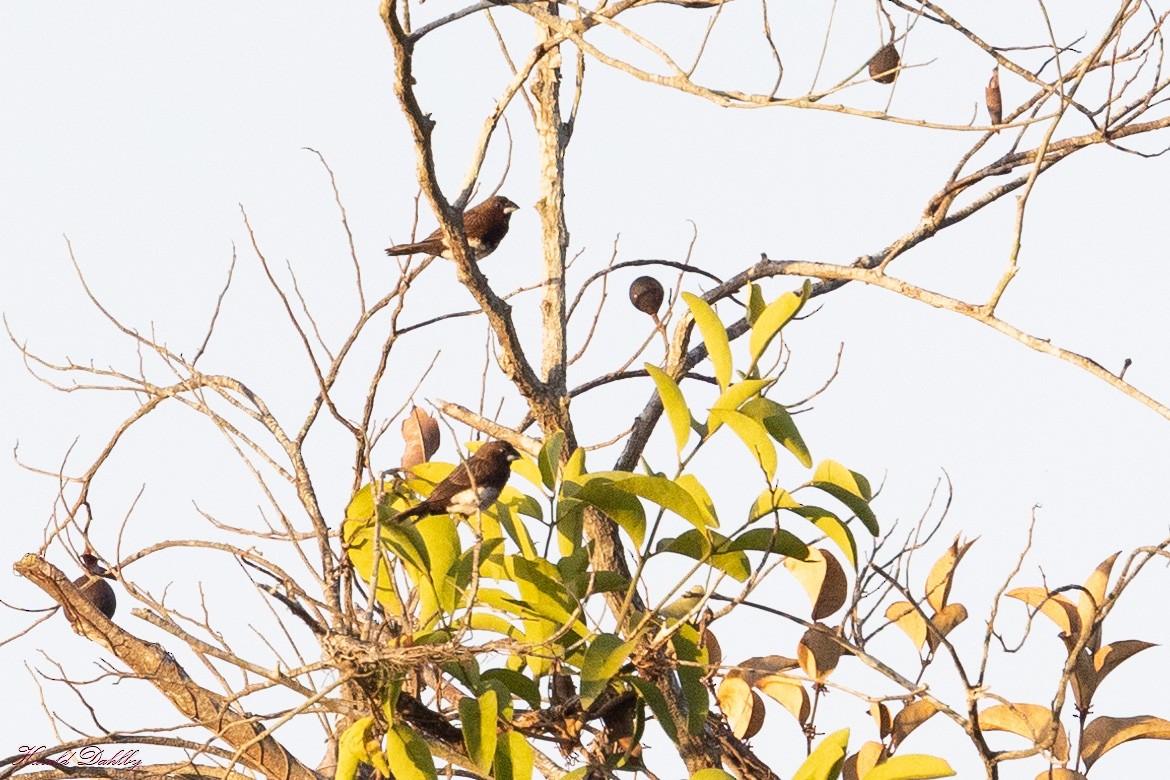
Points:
[688,647]
[408,755]
[714,337]
[521,686]
[580,773]
[550,458]
[824,763]
[848,487]
[775,540]
[774,317]
[778,422]
[832,527]
[513,757]
[603,659]
[753,435]
[478,717]
[712,548]
[712,774]
[915,766]
[657,703]
[664,492]
[621,507]
[755,305]
[674,404]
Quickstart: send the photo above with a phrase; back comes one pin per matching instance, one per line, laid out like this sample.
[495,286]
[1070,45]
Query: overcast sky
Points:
[141,133]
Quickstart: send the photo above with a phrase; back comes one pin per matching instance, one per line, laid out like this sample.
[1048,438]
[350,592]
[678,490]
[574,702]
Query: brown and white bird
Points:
[94,587]
[485,224]
[474,485]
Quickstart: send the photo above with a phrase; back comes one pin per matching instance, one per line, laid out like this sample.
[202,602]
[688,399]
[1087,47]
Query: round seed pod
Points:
[646,294]
[883,67]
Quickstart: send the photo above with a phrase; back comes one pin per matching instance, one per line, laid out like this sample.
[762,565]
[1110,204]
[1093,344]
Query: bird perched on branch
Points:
[94,587]
[474,485]
[485,224]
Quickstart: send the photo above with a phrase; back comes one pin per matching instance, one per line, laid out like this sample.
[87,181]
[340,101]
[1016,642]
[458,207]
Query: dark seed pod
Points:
[646,294]
[883,68]
[96,589]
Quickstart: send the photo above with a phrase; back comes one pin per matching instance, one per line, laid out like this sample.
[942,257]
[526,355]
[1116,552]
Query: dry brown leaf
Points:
[883,66]
[881,716]
[1084,680]
[994,99]
[938,582]
[789,692]
[420,433]
[823,580]
[861,763]
[818,652]
[1111,655]
[1030,721]
[1060,773]
[906,616]
[1103,734]
[834,590]
[1093,595]
[714,651]
[757,721]
[944,622]
[735,700]
[757,667]
[909,718]
[1055,607]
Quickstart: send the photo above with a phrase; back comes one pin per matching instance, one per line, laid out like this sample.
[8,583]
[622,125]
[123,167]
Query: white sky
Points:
[138,130]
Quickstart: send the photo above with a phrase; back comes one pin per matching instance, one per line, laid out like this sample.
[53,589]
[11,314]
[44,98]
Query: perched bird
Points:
[94,587]
[485,225]
[475,484]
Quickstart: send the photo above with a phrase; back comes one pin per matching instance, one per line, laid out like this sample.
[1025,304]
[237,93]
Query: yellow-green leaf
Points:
[513,757]
[848,487]
[357,746]
[824,763]
[754,436]
[714,337]
[756,304]
[478,717]
[774,317]
[914,766]
[550,458]
[711,774]
[674,404]
[408,755]
[603,659]
[778,422]
[734,396]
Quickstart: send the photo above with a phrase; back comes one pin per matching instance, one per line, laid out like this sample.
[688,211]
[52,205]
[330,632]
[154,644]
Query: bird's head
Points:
[92,566]
[498,449]
[504,205]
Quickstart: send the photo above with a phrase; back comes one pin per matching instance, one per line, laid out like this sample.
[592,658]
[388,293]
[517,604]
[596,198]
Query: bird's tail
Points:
[417,512]
[405,249]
